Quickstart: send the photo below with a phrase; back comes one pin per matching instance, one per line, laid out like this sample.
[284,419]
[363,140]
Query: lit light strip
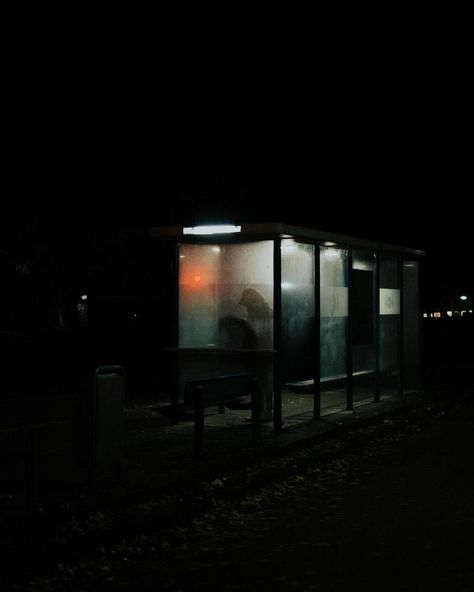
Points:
[219,229]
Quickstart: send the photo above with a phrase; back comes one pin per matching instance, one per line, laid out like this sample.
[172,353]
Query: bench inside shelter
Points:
[225,391]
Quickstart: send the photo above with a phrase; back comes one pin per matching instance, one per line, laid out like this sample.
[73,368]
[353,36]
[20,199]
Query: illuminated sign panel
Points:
[389,301]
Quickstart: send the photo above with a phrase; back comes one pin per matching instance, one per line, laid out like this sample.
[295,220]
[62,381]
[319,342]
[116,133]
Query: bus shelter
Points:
[323,321]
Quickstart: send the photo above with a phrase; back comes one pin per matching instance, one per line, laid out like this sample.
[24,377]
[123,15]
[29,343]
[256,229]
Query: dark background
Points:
[115,120]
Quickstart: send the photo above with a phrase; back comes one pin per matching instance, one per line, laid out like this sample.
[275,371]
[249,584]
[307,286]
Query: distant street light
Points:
[463,297]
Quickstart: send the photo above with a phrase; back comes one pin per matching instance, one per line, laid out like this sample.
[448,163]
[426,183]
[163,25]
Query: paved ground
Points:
[249,521]
[397,514]
[374,504]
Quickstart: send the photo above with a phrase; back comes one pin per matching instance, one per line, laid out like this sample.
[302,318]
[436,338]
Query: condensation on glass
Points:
[363,324]
[411,326]
[298,310]
[389,322]
[334,317]
[298,322]
[226,295]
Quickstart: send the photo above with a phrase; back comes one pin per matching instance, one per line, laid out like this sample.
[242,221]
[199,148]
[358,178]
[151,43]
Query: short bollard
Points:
[109,422]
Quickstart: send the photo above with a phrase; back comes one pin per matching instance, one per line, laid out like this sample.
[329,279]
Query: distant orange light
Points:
[196,276]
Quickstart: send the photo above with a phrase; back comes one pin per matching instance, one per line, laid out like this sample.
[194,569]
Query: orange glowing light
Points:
[195,277]
[198,270]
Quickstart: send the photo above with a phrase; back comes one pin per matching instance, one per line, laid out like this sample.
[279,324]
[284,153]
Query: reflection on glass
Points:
[226,295]
[334,313]
[298,301]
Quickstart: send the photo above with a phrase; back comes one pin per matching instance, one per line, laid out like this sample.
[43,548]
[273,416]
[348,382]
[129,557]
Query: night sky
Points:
[128,120]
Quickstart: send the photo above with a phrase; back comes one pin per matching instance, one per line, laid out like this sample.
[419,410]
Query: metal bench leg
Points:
[256,423]
[198,422]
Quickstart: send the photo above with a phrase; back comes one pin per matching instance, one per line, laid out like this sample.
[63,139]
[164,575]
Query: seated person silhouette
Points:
[253,332]
[236,333]
[259,315]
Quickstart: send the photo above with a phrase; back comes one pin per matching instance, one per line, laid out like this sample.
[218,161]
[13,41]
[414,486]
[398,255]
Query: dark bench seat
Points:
[226,391]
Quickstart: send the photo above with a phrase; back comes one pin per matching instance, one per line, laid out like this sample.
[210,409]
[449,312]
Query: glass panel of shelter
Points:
[334,310]
[374,324]
[226,295]
[298,318]
[226,302]
[226,312]
[389,326]
[363,292]
[299,325]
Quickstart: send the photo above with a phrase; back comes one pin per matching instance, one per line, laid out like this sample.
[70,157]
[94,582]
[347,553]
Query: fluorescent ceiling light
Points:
[217,229]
